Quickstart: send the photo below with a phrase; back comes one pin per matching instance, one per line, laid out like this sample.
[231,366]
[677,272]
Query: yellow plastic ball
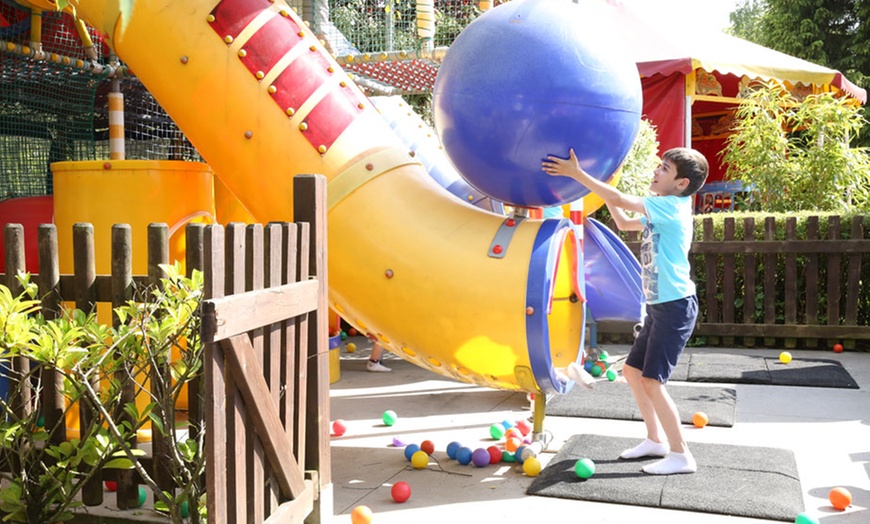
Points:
[532,466]
[785,357]
[351,347]
[420,459]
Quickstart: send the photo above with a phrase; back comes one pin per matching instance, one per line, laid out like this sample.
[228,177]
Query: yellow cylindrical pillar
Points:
[134,192]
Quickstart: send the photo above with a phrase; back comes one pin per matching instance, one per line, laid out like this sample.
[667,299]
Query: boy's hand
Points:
[570,167]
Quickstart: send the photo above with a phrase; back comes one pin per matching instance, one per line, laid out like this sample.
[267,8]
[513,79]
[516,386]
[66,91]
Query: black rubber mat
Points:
[755,369]
[742,481]
[613,400]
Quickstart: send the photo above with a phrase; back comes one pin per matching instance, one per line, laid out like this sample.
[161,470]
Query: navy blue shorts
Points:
[666,329]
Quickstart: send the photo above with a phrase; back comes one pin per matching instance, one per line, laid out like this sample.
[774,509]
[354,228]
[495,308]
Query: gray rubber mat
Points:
[613,400]
[755,369]
[743,481]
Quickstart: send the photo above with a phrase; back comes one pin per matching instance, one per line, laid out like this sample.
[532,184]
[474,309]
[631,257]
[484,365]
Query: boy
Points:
[671,303]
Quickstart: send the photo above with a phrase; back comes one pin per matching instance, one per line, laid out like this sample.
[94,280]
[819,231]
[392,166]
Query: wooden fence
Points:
[807,288]
[266,365]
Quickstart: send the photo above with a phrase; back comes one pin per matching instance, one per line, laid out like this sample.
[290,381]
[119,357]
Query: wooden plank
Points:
[790,282]
[749,281]
[834,271]
[272,349]
[252,385]
[53,400]
[302,336]
[711,268]
[769,279]
[289,340]
[229,316]
[728,279]
[309,205]
[812,281]
[236,414]
[161,440]
[853,279]
[84,268]
[295,511]
[257,469]
[195,260]
[782,330]
[773,246]
[127,491]
[217,482]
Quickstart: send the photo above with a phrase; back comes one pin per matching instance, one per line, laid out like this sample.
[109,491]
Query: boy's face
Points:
[665,181]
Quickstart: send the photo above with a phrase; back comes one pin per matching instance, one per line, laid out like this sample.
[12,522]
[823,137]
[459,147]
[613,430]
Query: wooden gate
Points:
[267,368]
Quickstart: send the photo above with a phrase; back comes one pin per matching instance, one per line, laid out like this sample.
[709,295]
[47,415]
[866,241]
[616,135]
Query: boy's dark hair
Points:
[691,165]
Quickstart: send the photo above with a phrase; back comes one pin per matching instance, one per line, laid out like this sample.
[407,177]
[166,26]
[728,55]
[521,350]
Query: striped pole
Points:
[426,22]
[116,123]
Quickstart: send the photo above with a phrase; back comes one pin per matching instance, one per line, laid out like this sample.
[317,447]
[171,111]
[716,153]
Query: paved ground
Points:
[827,429]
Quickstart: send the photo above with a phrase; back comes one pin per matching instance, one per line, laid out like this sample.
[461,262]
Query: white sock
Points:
[580,375]
[673,463]
[647,448]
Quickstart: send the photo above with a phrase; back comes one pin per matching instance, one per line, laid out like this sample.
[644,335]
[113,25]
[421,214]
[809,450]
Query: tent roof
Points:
[661,46]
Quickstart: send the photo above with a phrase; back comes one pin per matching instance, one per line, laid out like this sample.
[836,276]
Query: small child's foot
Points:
[672,464]
[575,372]
[647,448]
[375,366]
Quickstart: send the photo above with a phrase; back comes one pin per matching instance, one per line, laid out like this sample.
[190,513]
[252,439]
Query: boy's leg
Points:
[671,334]
[634,363]
[653,445]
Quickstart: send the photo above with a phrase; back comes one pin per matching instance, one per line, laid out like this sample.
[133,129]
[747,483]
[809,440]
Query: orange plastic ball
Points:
[361,515]
[699,419]
[840,498]
[512,444]
[513,433]
[838,348]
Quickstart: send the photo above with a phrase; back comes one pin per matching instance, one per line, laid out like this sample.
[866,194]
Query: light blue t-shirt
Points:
[664,248]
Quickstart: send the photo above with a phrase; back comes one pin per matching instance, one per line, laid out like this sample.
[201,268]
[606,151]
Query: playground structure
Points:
[409,260]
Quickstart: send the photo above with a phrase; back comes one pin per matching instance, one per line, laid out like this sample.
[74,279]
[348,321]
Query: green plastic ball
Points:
[496,431]
[390,417]
[142,495]
[595,371]
[344,335]
[603,357]
[584,468]
[804,518]
[612,374]
[185,510]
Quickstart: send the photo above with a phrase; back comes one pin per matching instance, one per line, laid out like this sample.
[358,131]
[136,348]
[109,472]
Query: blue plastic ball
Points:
[519,454]
[452,448]
[410,449]
[463,455]
[532,78]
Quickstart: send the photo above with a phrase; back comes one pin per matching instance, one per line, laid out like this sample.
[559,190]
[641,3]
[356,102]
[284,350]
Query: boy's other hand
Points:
[555,166]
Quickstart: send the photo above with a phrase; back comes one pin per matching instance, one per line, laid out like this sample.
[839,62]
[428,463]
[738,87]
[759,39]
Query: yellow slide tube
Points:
[469,294]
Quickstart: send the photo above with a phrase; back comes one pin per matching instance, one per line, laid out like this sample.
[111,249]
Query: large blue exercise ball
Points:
[533,78]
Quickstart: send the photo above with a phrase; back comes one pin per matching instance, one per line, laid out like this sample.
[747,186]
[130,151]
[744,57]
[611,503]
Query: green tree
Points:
[796,154]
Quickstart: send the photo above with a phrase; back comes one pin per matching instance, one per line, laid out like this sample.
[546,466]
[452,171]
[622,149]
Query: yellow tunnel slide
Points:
[487,299]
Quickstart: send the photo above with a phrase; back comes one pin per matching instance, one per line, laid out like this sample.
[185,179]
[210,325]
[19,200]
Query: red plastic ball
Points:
[111,485]
[401,491]
[339,427]
[494,454]
[428,446]
[838,348]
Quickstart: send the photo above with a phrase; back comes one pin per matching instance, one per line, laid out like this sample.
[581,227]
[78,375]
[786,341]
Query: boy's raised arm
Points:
[570,167]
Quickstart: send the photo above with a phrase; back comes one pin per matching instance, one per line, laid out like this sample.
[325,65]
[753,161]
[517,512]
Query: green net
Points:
[55,108]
